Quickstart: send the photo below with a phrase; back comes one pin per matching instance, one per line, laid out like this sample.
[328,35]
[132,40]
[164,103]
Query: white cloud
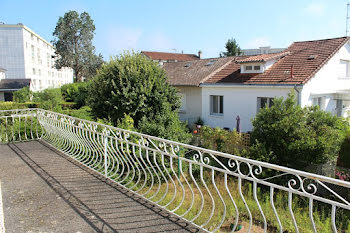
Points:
[315,9]
[258,42]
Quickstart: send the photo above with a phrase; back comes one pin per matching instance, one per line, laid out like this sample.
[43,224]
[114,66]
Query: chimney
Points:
[200,54]
[291,71]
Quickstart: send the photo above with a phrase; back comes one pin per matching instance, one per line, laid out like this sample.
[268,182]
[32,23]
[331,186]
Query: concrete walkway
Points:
[45,191]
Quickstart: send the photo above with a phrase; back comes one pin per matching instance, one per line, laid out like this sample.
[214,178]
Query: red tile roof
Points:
[307,58]
[263,57]
[170,56]
[193,73]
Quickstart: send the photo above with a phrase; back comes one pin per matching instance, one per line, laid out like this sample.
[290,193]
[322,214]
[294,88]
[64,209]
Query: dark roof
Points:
[193,73]
[170,56]
[306,57]
[13,84]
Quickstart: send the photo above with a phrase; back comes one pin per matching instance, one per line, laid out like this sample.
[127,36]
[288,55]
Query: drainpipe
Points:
[295,86]
[298,91]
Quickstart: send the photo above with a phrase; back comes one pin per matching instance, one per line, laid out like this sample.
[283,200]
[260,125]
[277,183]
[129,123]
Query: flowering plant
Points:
[342,175]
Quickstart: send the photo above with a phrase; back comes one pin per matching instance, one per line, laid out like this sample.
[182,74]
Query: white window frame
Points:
[254,66]
[183,102]
[219,100]
[319,101]
[347,68]
[246,68]
[269,102]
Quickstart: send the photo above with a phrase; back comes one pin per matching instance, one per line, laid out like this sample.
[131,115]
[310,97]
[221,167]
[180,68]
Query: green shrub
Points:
[23,95]
[296,137]
[13,105]
[131,84]
[49,99]
[76,92]
[166,124]
[82,113]
[220,140]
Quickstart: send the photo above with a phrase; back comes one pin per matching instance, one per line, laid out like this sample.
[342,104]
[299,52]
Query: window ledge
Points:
[343,77]
[216,114]
[182,111]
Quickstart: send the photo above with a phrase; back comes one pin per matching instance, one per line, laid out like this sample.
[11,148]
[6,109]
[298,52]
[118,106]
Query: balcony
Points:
[118,180]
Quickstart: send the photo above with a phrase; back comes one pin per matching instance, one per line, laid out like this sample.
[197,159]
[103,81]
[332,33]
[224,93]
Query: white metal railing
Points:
[213,190]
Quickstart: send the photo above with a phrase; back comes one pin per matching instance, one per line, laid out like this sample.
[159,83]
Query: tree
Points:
[73,43]
[232,49]
[135,85]
[289,135]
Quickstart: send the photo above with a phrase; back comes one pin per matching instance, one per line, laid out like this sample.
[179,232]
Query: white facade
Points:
[26,55]
[261,50]
[2,73]
[191,103]
[329,88]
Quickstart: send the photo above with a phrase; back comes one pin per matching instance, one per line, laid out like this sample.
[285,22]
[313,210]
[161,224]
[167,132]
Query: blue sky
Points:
[187,26]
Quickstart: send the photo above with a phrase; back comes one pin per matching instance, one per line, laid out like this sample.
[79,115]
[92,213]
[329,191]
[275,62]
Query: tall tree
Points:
[73,43]
[232,49]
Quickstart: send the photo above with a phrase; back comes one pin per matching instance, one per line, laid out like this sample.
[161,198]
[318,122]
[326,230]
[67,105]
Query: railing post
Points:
[105,154]
[178,164]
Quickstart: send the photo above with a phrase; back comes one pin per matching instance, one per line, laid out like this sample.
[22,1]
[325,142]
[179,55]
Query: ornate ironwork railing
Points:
[213,190]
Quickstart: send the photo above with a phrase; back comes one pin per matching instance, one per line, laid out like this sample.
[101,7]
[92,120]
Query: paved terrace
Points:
[43,190]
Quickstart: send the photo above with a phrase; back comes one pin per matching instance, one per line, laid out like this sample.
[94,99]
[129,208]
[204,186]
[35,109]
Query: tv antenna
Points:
[347,19]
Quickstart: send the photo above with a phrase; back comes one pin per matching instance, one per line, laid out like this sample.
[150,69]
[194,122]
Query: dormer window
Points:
[252,68]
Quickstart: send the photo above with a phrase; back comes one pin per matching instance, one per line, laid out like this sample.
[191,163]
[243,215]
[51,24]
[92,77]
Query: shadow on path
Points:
[103,204]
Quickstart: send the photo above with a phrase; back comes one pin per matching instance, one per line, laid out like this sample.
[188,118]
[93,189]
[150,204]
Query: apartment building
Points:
[26,55]
[261,50]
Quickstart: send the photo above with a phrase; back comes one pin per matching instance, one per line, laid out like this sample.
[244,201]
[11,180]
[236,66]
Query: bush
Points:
[165,124]
[23,95]
[134,85]
[49,99]
[82,113]
[131,84]
[13,105]
[76,92]
[221,140]
[296,137]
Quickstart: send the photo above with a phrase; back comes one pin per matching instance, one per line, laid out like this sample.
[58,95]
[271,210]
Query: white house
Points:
[220,89]
[26,55]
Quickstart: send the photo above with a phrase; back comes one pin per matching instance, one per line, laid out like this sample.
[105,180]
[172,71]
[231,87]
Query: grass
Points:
[300,205]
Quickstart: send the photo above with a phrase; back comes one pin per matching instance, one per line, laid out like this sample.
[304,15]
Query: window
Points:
[319,101]
[216,104]
[345,68]
[339,108]
[183,101]
[264,102]
[256,67]
[34,71]
[248,68]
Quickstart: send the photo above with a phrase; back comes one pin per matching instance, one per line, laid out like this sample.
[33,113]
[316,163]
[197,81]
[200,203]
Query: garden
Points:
[131,92]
